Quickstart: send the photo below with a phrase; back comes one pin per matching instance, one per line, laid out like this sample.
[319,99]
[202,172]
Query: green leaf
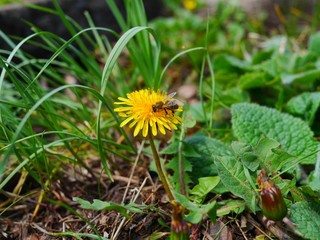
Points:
[253,80]
[174,165]
[250,122]
[306,217]
[245,152]
[233,95]
[270,66]
[305,106]
[197,112]
[197,211]
[206,184]
[224,61]
[236,206]
[188,120]
[304,77]
[261,56]
[233,177]
[271,156]
[99,205]
[206,148]
[314,182]
[189,151]
[171,149]
[314,43]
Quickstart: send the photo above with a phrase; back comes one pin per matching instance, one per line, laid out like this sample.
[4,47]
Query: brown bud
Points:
[179,227]
[272,203]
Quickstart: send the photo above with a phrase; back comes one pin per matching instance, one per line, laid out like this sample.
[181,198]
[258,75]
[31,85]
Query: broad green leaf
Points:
[99,205]
[206,184]
[197,211]
[275,42]
[197,112]
[314,183]
[174,165]
[188,120]
[306,77]
[306,217]
[224,61]
[250,122]
[233,177]
[247,155]
[206,148]
[233,95]
[305,106]
[271,156]
[236,206]
[261,56]
[253,80]
[276,65]
[304,62]
[270,66]
[171,149]
[314,43]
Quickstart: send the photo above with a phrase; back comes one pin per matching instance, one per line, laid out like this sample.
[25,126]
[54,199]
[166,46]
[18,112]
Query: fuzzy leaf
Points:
[306,217]
[233,177]
[251,122]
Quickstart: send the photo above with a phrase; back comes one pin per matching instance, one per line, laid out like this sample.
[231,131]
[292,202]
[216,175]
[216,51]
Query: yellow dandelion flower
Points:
[190,4]
[146,109]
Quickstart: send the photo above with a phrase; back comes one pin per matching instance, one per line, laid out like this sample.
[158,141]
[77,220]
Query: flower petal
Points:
[145,129]
[126,121]
[154,129]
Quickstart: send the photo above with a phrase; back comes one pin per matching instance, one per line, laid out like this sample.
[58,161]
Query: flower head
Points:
[146,109]
[189,4]
[272,203]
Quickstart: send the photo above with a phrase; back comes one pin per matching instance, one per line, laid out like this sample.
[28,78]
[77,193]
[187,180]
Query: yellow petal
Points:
[126,121]
[154,130]
[161,129]
[145,129]
[136,130]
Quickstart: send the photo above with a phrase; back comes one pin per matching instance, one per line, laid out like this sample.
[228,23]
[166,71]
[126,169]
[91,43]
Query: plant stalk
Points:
[159,168]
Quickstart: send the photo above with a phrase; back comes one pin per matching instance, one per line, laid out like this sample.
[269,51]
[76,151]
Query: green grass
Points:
[5,2]
[57,121]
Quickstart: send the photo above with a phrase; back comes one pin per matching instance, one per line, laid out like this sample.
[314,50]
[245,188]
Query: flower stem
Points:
[159,168]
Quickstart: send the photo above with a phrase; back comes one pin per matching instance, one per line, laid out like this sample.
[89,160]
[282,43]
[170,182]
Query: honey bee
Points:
[168,105]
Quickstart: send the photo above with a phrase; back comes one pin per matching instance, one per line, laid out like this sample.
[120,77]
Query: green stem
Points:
[159,168]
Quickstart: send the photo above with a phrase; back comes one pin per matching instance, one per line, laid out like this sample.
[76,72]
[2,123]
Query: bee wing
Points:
[171,95]
[172,103]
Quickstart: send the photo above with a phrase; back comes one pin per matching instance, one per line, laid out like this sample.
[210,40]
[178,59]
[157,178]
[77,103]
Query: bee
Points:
[168,105]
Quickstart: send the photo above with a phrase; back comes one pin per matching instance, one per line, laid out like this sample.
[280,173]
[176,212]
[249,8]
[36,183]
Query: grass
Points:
[65,161]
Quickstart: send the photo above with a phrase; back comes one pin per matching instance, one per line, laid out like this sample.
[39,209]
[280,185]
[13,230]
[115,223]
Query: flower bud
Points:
[272,203]
[179,228]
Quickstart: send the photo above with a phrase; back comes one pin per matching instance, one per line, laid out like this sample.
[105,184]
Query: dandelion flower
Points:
[146,109]
[190,4]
